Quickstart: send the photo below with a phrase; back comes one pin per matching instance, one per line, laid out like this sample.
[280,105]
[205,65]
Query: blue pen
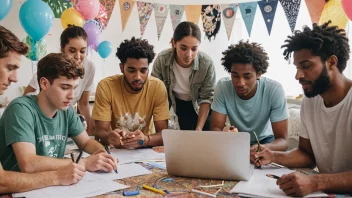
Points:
[108,150]
[131,193]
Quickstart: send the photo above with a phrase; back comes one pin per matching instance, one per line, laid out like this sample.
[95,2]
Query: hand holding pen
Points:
[70,174]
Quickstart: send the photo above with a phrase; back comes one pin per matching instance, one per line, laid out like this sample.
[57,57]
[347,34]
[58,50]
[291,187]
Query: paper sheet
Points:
[90,185]
[125,171]
[136,155]
[262,186]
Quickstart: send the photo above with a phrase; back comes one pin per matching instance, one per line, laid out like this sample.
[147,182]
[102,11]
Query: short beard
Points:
[320,85]
[130,85]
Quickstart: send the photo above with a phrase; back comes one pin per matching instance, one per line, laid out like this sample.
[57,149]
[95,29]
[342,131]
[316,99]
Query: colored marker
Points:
[273,176]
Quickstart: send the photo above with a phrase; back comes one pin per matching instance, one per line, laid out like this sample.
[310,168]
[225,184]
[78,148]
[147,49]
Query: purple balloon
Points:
[92,31]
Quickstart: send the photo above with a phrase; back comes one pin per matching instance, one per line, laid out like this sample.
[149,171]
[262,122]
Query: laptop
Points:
[207,154]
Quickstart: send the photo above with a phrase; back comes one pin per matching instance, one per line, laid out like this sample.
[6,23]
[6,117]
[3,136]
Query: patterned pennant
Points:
[144,11]
[248,11]
[268,9]
[176,12]
[291,8]
[229,15]
[126,7]
[333,11]
[211,17]
[161,11]
[193,13]
[315,9]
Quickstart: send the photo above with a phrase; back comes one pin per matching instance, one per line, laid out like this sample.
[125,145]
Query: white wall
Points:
[279,68]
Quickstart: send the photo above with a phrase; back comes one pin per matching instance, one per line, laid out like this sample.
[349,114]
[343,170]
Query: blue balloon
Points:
[104,49]
[5,7]
[36,18]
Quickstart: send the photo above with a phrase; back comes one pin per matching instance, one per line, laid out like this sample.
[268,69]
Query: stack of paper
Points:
[136,155]
[125,171]
[262,186]
[90,185]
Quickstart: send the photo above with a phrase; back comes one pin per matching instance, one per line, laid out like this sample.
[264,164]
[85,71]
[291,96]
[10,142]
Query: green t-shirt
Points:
[24,121]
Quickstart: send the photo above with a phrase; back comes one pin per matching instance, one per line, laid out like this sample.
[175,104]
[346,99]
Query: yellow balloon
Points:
[333,11]
[71,17]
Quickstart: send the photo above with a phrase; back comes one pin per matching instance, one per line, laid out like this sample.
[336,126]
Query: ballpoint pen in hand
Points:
[108,151]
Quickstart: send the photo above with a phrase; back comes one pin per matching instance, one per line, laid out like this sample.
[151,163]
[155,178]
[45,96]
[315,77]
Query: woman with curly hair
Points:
[250,101]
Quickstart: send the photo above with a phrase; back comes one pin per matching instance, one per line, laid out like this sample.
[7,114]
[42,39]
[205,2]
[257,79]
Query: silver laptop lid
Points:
[207,154]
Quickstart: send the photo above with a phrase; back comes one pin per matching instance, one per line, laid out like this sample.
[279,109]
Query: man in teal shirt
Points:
[251,102]
[34,129]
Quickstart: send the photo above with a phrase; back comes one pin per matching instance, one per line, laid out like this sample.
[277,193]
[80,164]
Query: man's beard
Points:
[320,85]
[130,84]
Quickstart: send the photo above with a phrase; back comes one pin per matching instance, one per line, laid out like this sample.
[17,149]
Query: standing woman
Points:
[189,77]
[74,43]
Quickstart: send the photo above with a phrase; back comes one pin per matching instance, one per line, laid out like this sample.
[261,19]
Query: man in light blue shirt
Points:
[251,102]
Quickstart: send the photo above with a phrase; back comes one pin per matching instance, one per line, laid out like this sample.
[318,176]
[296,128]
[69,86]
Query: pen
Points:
[202,193]
[273,176]
[153,189]
[72,158]
[79,156]
[108,151]
[258,148]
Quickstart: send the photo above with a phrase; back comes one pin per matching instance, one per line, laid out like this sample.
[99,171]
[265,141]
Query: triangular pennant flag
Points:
[333,11]
[176,12]
[229,15]
[268,9]
[211,17]
[126,7]
[193,13]
[291,9]
[248,11]
[161,11]
[315,9]
[144,11]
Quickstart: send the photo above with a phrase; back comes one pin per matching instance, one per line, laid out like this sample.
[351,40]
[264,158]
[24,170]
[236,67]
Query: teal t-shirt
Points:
[268,105]
[23,121]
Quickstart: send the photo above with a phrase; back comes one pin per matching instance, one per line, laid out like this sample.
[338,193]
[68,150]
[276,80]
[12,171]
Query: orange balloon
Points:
[71,17]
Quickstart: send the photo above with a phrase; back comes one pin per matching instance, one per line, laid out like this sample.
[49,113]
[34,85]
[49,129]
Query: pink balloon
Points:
[347,6]
[89,9]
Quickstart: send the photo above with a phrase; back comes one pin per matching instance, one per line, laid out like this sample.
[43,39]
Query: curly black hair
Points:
[246,53]
[323,41]
[135,48]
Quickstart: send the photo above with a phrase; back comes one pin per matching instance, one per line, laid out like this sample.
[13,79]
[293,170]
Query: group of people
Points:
[130,110]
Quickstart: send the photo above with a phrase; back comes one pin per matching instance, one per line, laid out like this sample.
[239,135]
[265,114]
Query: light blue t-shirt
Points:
[268,105]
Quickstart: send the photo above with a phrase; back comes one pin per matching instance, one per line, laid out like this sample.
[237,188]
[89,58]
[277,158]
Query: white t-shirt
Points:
[182,87]
[85,84]
[330,132]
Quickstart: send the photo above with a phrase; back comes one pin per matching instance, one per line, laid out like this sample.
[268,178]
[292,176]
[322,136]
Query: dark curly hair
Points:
[135,48]
[246,53]
[323,41]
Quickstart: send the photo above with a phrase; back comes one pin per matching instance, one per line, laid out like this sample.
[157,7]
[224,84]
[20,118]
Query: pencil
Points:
[273,176]
[79,156]
[108,151]
[153,189]
[72,158]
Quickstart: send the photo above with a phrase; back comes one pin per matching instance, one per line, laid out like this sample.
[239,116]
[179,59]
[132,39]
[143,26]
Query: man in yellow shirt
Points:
[125,104]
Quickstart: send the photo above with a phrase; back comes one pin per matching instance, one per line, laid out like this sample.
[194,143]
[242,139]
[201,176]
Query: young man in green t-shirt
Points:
[34,129]
[11,51]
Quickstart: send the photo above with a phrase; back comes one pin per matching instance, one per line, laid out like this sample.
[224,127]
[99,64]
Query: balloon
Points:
[96,23]
[71,17]
[104,49]
[36,18]
[95,46]
[5,7]
[37,48]
[347,6]
[92,31]
[89,9]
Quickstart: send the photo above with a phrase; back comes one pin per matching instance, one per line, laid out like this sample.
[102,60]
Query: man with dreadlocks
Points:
[320,55]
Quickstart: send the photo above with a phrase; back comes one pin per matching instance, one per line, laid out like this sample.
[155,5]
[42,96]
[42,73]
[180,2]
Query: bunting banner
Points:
[176,12]
[144,11]
[315,9]
[126,7]
[248,11]
[268,9]
[211,18]
[229,15]
[291,8]
[193,13]
[58,6]
[160,11]
[333,11]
